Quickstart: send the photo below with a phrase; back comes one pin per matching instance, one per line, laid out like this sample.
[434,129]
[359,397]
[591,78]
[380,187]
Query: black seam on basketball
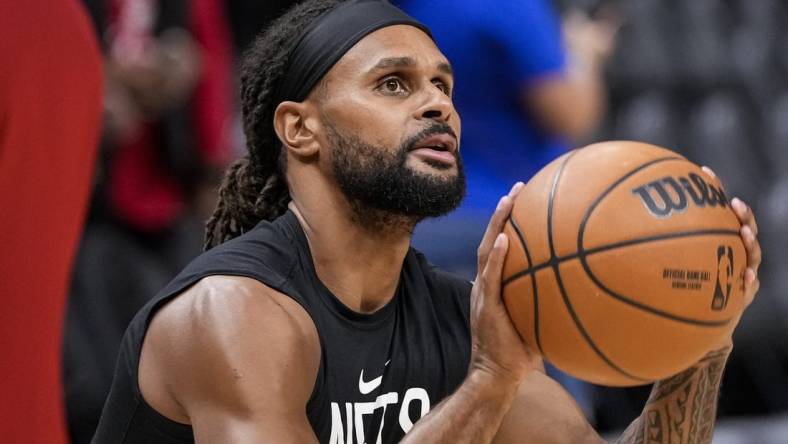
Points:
[550,198]
[652,310]
[554,263]
[582,254]
[622,244]
[533,283]
[655,311]
[585,334]
[659,237]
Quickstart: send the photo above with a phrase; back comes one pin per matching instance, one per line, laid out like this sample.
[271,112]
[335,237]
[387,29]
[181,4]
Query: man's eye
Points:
[393,85]
[443,87]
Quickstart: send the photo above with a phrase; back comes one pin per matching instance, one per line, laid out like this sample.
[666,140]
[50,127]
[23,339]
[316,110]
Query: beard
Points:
[383,191]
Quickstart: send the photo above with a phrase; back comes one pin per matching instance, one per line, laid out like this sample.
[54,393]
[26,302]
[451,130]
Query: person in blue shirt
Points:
[523,100]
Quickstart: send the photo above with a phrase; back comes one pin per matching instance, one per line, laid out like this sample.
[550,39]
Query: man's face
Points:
[391,129]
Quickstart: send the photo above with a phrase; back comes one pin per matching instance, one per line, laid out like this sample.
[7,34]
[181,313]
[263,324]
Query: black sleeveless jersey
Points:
[379,373]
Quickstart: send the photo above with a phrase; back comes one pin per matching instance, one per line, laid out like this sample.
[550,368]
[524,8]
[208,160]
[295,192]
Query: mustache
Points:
[435,128]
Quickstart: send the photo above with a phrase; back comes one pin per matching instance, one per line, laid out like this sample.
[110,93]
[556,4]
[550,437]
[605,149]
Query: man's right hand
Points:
[497,349]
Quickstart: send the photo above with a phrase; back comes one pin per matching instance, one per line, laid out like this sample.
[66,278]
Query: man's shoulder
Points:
[227,302]
[222,329]
[226,314]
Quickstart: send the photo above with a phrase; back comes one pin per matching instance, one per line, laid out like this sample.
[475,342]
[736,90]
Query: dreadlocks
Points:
[254,187]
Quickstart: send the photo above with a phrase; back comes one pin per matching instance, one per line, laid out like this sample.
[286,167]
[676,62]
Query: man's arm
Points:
[235,359]
[571,103]
[568,105]
[545,413]
[683,408]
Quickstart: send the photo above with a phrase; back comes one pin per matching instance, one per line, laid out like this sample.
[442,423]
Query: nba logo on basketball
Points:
[722,290]
[699,192]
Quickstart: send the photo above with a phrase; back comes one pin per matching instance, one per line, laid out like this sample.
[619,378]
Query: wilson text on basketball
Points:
[669,195]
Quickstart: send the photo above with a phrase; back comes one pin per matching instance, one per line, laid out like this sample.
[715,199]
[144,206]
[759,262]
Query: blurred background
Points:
[706,78]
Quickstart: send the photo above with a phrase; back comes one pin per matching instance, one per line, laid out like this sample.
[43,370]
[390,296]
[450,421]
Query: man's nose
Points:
[437,105]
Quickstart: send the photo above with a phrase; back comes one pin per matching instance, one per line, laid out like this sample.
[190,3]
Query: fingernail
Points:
[500,203]
[516,187]
[499,240]
[736,202]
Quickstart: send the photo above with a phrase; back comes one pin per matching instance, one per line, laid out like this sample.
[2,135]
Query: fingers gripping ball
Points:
[625,263]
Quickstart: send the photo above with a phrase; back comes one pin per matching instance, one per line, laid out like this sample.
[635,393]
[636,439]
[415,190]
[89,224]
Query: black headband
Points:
[329,37]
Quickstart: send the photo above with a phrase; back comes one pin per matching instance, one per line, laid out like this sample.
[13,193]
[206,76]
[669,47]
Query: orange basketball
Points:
[625,263]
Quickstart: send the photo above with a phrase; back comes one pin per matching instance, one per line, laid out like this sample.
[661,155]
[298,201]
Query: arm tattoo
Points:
[704,414]
[681,409]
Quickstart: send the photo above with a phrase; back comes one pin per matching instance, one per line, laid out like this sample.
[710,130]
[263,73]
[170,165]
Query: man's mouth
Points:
[440,148]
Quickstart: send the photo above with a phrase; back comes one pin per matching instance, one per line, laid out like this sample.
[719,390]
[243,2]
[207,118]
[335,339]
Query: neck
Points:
[359,261]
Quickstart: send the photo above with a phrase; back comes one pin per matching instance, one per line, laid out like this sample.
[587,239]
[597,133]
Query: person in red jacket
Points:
[50,112]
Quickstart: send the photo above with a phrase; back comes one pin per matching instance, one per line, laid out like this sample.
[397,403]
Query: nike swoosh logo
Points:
[366,387]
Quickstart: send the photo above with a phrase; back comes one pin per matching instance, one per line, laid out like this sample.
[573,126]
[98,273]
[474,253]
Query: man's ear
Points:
[295,125]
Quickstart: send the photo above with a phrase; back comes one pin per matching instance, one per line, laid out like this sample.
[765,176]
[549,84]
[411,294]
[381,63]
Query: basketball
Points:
[625,263]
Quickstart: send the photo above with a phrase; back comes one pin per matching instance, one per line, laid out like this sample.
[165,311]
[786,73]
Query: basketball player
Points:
[311,319]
